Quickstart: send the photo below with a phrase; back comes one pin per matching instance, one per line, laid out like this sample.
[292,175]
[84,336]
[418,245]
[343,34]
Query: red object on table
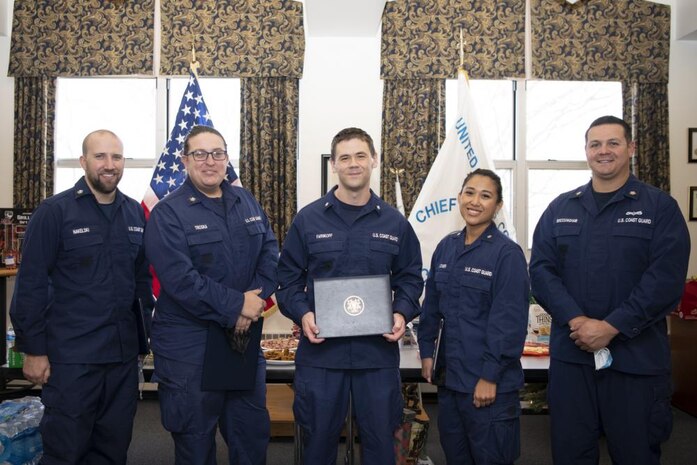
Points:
[687,310]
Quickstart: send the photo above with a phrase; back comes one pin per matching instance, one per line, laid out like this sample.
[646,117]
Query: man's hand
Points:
[37,368]
[400,326]
[484,393]
[310,329]
[242,324]
[427,368]
[591,334]
[253,305]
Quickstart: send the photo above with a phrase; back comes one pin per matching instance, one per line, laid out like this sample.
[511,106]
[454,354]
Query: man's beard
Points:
[102,188]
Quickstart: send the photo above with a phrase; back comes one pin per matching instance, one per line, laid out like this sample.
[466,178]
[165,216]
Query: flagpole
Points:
[462,57]
[194,65]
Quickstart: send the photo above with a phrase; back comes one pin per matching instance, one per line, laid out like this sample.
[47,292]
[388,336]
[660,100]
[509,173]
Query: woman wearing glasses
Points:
[479,287]
[215,255]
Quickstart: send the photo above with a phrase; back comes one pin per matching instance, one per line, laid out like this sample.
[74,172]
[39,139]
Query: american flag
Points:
[169,173]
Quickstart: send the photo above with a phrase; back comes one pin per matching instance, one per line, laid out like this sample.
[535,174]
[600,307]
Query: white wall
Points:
[682,101]
[341,87]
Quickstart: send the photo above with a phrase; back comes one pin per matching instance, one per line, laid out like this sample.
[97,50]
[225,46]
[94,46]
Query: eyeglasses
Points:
[202,155]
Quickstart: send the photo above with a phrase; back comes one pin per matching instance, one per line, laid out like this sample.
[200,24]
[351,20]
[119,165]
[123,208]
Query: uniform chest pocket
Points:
[204,246]
[441,279]
[322,247]
[136,241]
[82,256]
[256,228]
[475,283]
[566,237]
[630,246]
[384,247]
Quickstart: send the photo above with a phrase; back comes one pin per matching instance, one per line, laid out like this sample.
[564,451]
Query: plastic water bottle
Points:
[14,358]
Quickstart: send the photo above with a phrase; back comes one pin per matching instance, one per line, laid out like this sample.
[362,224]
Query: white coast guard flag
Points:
[436,212]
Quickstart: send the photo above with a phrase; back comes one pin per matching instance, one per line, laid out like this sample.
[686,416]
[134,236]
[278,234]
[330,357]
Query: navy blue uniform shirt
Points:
[207,253]
[482,292]
[625,264]
[320,244]
[79,277]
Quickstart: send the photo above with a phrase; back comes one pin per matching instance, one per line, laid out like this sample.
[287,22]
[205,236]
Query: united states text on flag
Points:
[436,212]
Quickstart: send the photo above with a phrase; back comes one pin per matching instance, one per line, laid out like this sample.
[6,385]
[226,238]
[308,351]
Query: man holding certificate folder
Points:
[349,233]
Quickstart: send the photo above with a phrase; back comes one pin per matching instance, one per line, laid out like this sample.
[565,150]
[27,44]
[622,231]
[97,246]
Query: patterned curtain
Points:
[420,38]
[269,147]
[649,107]
[234,38]
[35,99]
[613,40]
[413,128]
[86,38]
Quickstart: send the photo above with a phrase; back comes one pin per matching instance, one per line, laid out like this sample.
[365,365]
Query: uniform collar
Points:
[374,203]
[486,236]
[81,189]
[630,189]
[195,196]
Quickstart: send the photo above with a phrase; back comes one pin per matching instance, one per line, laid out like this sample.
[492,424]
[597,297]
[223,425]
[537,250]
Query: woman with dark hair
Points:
[479,288]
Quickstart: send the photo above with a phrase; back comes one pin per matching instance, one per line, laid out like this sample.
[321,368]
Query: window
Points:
[140,111]
[545,156]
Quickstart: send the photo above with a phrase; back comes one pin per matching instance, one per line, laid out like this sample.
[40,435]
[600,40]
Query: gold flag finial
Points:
[194,65]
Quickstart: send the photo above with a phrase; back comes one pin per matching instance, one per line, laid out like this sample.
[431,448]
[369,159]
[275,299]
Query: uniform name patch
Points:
[632,219]
[324,236]
[478,271]
[200,227]
[389,237]
[81,230]
[567,220]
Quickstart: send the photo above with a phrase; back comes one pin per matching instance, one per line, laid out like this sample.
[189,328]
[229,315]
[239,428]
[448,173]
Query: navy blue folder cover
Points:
[225,369]
[143,345]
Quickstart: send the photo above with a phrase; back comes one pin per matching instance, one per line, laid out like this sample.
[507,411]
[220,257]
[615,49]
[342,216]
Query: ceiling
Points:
[343,18]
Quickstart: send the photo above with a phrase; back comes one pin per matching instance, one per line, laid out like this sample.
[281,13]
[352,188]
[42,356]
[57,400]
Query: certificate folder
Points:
[142,332]
[225,369]
[438,368]
[353,306]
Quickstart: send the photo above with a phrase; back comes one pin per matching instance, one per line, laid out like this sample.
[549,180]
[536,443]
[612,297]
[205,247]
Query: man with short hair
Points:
[215,255]
[609,261]
[80,290]
[349,232]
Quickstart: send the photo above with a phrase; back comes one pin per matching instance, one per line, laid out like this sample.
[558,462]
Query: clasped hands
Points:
[252,309]
[590,334]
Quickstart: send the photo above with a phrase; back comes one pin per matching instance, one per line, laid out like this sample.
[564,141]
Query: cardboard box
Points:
[539,325]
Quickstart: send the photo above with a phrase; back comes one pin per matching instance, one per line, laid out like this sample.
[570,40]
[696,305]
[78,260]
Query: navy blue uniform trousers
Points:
[321,404]
[89,411]
[192,416]
[479,436]
[632,411]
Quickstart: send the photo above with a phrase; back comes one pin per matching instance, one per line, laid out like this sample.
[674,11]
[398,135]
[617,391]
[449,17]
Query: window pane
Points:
[544,186]
[222,97]
[133,183]
[494,106]
[506,184]
[125,106]
[559,112]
